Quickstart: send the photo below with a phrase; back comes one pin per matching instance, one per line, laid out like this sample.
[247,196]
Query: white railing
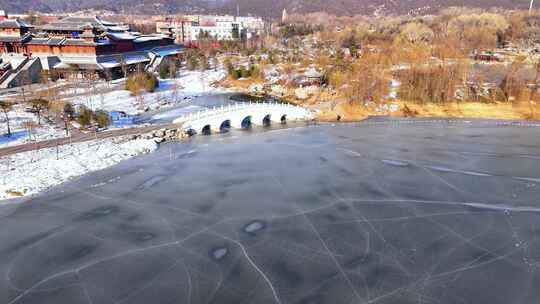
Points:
[215,111]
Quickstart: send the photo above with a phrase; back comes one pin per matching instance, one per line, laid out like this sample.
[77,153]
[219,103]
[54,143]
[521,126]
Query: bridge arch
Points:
[206,130]
[225,126]
[191,131]
[267,120]
[246,122]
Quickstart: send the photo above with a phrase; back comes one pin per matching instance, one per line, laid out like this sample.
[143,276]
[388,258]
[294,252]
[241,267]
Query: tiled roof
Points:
[22,39]
[121,36]
[10,39]
[39,41]
[79,42]
[78,24]
[57,41]
[14,23]
[63,26]
[61,41]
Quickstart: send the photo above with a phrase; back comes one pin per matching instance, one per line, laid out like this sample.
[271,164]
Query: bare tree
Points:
[38,106]
[67,115]
[30,127]
[108,77]
[123,65]
[416,33]
[6,107]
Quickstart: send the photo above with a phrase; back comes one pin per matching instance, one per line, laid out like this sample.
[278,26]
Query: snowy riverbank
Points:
[31,172]
[112,97]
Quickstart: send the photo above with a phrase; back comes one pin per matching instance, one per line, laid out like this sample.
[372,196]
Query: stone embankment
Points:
[163,135]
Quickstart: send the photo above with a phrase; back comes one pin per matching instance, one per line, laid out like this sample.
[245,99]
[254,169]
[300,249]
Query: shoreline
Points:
[466,110]
[32,172]
[124,148]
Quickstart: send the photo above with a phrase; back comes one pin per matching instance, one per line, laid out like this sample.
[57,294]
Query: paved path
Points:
[81,137]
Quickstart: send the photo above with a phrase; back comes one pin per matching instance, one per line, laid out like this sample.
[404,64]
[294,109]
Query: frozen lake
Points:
[406,211]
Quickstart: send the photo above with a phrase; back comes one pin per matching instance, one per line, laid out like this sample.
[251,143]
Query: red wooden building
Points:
[75,36]
[14,34]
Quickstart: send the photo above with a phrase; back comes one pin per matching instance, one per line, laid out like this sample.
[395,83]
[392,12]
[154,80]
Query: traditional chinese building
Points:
[83,43]
[14,34]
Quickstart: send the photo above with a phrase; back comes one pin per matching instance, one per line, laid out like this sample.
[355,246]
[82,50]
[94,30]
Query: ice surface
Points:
[305,215]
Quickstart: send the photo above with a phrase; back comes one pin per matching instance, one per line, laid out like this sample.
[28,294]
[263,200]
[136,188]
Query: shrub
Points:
[244,73]
[204,65]
[102,118]
[142,81]
[85,116]
[192,63]
[68,110]
[164,70]
[254,71]
[151,82]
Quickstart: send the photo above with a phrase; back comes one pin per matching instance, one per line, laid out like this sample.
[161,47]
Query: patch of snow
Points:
[394,88]
[385,108]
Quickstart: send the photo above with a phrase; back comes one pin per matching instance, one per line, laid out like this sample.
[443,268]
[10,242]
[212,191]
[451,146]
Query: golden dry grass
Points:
[347,112]
[505,111]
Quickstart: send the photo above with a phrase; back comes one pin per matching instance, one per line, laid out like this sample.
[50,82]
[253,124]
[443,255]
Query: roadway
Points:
[81,137]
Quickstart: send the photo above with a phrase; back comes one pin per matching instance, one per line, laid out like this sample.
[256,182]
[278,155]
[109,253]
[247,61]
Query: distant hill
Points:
[367,7]
[119,6]
[258,7]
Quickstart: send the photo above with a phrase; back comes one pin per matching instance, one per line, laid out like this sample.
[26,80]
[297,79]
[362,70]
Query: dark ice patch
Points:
[99,212]
[219,253]
[204,208]
[142,236]
[254,227]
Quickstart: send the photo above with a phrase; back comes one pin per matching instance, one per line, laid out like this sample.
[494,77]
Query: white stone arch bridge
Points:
[241,115]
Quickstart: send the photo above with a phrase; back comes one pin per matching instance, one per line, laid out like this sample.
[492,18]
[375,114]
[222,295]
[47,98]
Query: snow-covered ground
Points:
[31,172]
[20,134]
[171,92]
[188,85]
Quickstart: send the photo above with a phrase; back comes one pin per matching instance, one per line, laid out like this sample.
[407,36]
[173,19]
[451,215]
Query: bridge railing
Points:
[210,112]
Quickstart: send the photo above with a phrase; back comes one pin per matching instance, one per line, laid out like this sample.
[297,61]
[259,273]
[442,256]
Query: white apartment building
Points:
[220,30]
[190,28]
